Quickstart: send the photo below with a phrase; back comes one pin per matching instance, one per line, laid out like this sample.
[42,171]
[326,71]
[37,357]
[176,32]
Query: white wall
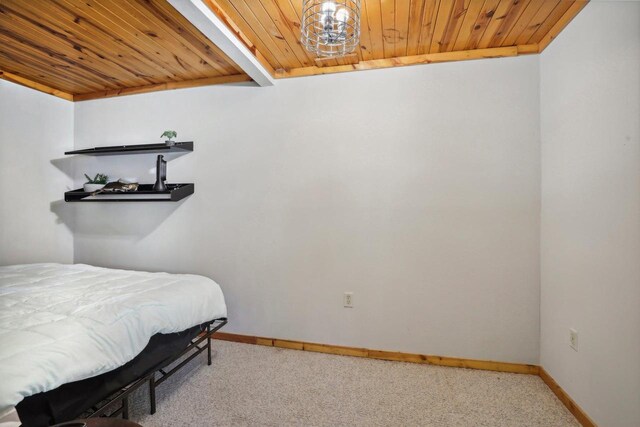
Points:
[415,188]
[35,130]
[590,100]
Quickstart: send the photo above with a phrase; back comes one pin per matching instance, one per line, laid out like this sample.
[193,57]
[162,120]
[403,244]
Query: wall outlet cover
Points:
[573,339]
[348,299]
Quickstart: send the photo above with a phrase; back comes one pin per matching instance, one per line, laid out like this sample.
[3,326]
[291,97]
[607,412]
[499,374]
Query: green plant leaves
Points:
[169,134]
[98,179]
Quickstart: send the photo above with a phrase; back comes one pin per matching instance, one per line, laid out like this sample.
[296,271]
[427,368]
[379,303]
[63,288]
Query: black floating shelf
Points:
[144,193]
[178,147]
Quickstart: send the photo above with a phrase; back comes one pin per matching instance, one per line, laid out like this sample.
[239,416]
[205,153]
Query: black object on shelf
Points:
[145,193]
[161,174]
[176,147]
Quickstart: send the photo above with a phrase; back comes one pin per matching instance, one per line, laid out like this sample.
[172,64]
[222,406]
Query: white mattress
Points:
[63,323]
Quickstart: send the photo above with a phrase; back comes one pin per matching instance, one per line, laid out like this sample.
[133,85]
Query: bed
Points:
[62,325]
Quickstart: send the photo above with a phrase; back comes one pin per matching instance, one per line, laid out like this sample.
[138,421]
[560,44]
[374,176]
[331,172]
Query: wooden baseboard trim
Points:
[517,368]
[566,400]
[485,365]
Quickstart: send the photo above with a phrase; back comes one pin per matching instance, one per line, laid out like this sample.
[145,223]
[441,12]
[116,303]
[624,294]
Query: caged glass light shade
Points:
[330,27]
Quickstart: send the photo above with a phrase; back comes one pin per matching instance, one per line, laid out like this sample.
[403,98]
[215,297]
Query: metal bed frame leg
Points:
[209,344]
[152,394]
[125,407]
[194,349]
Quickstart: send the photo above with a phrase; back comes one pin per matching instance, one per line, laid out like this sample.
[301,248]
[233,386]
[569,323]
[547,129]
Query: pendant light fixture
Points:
[330,27]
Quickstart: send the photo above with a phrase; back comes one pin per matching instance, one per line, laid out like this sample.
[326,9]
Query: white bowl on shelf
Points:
[90,188]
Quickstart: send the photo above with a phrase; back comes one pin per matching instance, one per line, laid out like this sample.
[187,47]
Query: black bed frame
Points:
[122,395]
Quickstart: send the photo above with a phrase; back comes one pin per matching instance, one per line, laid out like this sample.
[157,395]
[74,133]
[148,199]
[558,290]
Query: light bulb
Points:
[328,7]
[342,15]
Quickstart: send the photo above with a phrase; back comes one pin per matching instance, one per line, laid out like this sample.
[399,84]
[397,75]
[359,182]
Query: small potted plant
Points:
[95,183]
[169,134]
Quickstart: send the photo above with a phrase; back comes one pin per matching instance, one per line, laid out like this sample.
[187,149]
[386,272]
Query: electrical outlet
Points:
[573,339]
[348,299]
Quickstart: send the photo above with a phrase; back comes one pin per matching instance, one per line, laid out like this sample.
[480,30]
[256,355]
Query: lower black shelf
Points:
[144,193]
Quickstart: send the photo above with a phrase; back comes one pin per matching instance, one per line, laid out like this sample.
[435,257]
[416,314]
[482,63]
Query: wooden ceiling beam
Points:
[79,47]
[95,49]
[207,81]
[216,30]
[337,60]
[372,17]
[189,36]
[536,22]
[14,78]
[235,29]
[568,16]
[428,58]
[545,25]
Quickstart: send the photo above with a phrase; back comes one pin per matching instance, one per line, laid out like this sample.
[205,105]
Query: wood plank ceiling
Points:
[86,49]
[417,31]
[96,48]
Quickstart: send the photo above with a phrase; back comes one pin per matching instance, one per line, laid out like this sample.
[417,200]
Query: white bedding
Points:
[63,323]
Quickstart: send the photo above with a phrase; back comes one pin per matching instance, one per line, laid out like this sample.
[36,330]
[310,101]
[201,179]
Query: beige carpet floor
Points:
[250,385]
